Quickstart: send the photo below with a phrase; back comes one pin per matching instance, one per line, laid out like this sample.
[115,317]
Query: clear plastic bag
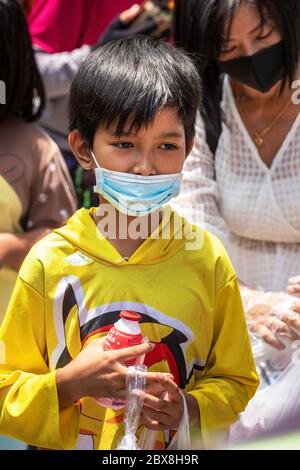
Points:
[148,439]
[271,407]
[135,380]
[264,308]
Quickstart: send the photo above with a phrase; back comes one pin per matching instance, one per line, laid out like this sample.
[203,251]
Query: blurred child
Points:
[36,192]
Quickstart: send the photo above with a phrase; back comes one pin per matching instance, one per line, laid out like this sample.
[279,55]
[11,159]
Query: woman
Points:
[36,192]
[245,166]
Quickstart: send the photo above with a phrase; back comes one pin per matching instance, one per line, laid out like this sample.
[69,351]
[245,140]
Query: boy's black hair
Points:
[200,28]
[128,82]
[25,96]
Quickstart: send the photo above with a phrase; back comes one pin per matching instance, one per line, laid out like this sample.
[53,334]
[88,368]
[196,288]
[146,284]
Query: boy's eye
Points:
[123,145]
[168,147]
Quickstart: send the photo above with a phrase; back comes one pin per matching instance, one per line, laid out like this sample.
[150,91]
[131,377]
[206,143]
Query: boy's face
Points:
[159,149]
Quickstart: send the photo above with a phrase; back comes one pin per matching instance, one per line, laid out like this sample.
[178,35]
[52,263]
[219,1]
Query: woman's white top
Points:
[253,209]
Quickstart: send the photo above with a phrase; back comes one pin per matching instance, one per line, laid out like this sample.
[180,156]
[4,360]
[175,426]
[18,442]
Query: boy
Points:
[132,112]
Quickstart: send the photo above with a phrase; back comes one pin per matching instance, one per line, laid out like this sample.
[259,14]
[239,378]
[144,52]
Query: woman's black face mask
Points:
[260,71]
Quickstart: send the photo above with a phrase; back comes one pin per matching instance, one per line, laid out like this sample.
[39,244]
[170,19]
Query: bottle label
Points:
[116,339]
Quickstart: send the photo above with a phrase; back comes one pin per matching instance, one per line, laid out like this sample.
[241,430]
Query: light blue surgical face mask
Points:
[136,195]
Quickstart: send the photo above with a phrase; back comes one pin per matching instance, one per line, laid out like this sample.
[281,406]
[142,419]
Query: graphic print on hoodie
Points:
[71,289]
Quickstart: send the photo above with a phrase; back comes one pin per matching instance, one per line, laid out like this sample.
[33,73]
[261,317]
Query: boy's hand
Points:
[100,374]
[97,373]
[165,410]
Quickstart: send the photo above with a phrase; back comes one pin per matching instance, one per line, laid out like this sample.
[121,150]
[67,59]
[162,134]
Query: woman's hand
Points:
[294,285]
[271,317]
[292,319]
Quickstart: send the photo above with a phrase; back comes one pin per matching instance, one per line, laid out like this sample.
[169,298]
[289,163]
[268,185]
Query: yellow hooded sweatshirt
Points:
[71,289]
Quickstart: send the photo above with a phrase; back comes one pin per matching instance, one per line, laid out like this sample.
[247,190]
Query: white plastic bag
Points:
[182,438]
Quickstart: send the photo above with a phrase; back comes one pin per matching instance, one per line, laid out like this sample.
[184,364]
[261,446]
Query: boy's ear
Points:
[190,147]
[80,150]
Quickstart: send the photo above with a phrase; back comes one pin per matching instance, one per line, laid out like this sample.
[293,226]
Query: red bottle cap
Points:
[132,316]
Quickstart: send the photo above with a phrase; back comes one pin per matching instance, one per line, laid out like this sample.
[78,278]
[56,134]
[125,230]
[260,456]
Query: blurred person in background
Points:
[61,46]
[36,192]
[27,5]
[244,169]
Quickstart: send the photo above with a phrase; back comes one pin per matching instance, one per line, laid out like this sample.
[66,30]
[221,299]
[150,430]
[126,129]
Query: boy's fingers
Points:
[132,352]
[150,423]
[170,386]
[156,415]
[154,388]
[97,343]
[154,402]
[153,377]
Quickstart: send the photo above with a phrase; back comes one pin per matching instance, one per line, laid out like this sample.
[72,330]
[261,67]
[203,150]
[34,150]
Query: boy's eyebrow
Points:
[123,134]
[171,134]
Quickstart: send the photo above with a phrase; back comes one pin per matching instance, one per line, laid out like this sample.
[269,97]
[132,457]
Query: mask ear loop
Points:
[94,158]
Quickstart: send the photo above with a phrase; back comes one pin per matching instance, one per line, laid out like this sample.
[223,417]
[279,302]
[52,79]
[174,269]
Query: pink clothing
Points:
[65,25]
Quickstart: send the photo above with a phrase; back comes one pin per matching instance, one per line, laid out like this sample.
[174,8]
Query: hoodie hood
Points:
[166,240]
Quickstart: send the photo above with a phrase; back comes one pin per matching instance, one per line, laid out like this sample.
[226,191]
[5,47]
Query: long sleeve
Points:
[229,380]
[199,189]
[29,409]
[58,70]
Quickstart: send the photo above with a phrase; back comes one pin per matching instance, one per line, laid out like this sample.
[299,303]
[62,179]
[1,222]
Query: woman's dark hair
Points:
[128,82]
[200,28]
[24,91]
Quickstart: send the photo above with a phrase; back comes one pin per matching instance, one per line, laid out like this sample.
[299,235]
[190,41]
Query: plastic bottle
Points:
[125,333]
